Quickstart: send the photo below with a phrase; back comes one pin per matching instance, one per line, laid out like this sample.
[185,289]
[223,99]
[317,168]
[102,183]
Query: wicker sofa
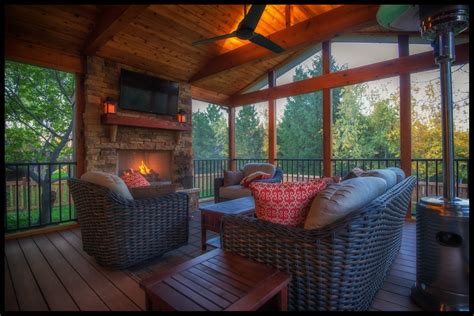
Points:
[120,232]
[338,267]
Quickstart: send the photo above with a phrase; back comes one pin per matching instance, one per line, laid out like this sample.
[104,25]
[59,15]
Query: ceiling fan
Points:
[246,30]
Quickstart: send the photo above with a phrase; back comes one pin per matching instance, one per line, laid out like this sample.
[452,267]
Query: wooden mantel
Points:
[115,119]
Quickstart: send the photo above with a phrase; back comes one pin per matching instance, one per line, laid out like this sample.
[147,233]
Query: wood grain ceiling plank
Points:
[145,53]
[161,70]
[164,28]
[159,52]
[44,19]
[319,28]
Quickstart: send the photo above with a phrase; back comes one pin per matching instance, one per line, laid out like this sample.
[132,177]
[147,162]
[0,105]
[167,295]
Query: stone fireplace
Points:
[112,148]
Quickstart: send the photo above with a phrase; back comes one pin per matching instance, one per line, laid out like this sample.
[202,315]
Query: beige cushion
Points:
[108,180]
[250,168]
[340,199]
[232,177]
[386,174]
[234,192]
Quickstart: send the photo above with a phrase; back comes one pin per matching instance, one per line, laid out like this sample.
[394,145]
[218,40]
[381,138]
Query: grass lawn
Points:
[11,220]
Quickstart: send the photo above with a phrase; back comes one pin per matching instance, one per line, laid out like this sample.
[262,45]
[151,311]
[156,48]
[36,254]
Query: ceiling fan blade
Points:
[265,42]
[216,38]
[250,21]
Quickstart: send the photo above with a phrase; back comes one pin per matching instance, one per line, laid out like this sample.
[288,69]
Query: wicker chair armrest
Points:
[150,202]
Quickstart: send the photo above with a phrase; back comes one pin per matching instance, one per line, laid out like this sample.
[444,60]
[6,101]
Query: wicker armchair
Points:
[338,267]
[119,232]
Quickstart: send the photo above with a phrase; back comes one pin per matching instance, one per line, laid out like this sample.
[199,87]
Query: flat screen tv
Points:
[144,93]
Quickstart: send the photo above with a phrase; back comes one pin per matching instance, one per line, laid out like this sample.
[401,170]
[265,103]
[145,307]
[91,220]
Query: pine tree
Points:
[249,134]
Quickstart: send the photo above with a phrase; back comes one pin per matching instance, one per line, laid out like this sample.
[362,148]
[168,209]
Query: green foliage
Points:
[39,106]
[249,134]
[299,134]
[210,134]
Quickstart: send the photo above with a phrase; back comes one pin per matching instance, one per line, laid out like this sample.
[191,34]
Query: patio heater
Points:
[442,223]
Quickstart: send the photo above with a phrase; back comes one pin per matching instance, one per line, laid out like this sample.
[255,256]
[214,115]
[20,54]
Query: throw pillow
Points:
[399,172]
[354,173]
[386,174]
[343,198]
[332,180]
[254,176]
[110,181]
[232,177]
[135,180]
[285,203]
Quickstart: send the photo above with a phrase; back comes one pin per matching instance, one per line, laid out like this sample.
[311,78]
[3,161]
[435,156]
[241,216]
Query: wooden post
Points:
[288,10]
[327,113]
[405,114]
[232,164]
[79,128]
[271,120]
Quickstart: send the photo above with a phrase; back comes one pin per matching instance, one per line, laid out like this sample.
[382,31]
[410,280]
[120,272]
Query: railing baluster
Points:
[60,198]
[17,199]
[69,191]
[29,195]
[436,176]
[457,177]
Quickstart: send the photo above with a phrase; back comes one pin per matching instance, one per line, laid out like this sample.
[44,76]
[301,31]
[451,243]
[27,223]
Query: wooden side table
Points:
[217,281]
[211,214]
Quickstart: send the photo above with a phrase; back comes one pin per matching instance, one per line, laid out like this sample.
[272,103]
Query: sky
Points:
[360,54]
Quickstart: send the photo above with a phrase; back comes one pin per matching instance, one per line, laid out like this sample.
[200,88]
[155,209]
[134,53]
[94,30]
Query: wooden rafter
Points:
[385,69]
[113,19]
[205,95]
[347,18]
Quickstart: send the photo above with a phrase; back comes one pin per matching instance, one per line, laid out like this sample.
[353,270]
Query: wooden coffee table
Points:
[211,214]
[217,281]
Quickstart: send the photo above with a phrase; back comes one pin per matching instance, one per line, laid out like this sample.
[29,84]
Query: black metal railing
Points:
[37,195]
[427,171]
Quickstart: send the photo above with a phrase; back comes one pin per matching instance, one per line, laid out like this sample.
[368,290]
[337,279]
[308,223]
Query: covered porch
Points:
[45,265]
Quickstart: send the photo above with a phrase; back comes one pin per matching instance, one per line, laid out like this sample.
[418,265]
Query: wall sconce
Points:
[181,116]
[110,106]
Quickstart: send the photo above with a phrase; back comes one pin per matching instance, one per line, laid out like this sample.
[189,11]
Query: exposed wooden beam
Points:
[381,70]
[205,95]
[232,163]
[114,19]
[405,113]
[26,52]
[272,144]
[327,113]
[347,18]
[79,142]
[288,9]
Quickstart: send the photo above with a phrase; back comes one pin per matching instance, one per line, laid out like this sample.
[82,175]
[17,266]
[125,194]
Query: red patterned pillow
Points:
[254,176]
[135,180]
[285,203]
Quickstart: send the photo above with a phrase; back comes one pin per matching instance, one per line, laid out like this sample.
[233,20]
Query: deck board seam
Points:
[13,285]
[80,275]
[32,273]
[120,290]
[55,273]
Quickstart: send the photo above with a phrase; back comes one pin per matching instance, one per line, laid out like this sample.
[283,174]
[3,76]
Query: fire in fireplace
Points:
[155,166]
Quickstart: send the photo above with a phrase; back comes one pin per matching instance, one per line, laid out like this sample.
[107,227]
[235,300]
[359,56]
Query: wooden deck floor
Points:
[52,272]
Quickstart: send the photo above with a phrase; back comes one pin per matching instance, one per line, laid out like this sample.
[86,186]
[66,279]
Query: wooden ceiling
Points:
[159,38]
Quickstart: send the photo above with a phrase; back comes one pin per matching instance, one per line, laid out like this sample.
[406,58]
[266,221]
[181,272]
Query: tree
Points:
[39,107]
[203,137]
[300,130]
[249,134]
[348,130]
[219,126]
